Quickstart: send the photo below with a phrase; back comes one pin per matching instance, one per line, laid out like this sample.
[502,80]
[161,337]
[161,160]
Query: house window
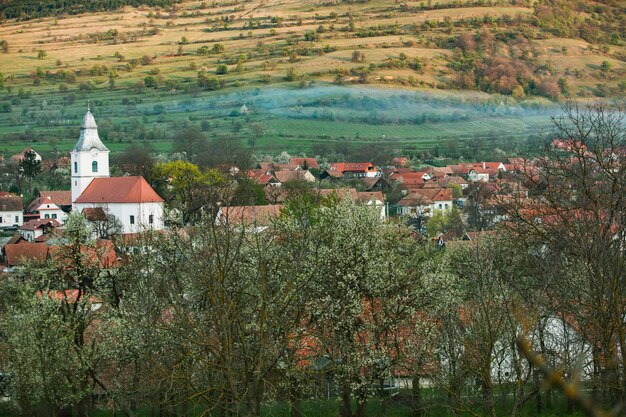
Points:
[151,219]
[440,206]
[75,167]
[54,216]
[1,220]
[17,219]
[94,166]
[47,216]
[132,219]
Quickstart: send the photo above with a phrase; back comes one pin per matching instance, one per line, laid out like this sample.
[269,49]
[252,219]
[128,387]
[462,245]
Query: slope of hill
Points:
[513,50]
[553,48]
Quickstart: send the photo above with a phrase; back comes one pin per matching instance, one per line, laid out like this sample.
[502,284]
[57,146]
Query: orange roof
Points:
[261,176]
[58,198]
[119,190]
[19,253]
[352,166]
[334,173]
[310,162]
[426,196]
[39,224]
[102,253]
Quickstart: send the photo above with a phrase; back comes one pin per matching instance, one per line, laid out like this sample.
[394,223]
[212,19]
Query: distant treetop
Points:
[31,9]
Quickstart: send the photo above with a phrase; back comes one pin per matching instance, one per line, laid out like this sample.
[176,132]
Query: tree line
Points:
[32,9]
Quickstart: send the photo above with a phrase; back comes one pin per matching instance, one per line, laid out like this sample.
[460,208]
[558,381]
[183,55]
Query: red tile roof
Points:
[426,196]
[310,162]
[261,176]
[102,254]
[119,190]
[334,173]
[39,224]
[20,253]
[10,203]
[58,198]
[353,166]
[286,176]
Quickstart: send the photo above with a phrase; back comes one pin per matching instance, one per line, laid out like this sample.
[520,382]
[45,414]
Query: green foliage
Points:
[221,69]
[209,82]
[30,166]
[31,9]
[187,188]
[445,222]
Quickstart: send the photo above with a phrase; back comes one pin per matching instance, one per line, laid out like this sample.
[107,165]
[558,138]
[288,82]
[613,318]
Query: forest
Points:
[32,9]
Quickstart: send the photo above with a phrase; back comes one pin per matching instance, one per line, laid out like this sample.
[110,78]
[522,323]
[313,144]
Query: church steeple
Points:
[89,138]
[90,157]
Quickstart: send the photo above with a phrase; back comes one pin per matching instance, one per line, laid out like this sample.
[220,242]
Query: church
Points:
[131,200]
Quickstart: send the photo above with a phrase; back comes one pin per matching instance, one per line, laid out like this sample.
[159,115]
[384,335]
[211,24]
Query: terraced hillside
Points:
[515,50]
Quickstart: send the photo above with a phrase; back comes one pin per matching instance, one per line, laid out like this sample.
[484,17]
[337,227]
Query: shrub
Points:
[221,69]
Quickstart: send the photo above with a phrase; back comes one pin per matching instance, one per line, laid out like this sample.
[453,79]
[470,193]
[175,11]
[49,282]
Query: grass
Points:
[279,119]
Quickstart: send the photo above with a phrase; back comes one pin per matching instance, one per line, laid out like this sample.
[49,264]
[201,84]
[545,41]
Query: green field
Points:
[278,119]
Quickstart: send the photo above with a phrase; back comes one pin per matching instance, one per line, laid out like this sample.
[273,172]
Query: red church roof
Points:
[119,190]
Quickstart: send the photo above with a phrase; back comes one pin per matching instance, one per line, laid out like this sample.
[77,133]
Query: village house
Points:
[34,229]
[273,167]
[131,200]
[11,211]
[426,201]
[377,184]
[263,177]
[287,176]
[22,155]
[52,205]
[355,169]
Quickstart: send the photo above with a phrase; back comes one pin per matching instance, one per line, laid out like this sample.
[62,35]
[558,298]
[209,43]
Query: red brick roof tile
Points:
[119,190]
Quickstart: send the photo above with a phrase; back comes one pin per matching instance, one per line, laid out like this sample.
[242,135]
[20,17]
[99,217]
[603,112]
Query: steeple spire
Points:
[89,138]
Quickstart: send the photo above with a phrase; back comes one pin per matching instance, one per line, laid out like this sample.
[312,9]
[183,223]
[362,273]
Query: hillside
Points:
[521,50]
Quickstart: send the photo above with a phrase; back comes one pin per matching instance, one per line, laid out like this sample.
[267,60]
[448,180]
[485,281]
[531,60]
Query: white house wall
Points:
[123,211]
[11,218]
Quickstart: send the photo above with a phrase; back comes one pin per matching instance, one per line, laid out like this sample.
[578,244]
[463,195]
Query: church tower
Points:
[90,158]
